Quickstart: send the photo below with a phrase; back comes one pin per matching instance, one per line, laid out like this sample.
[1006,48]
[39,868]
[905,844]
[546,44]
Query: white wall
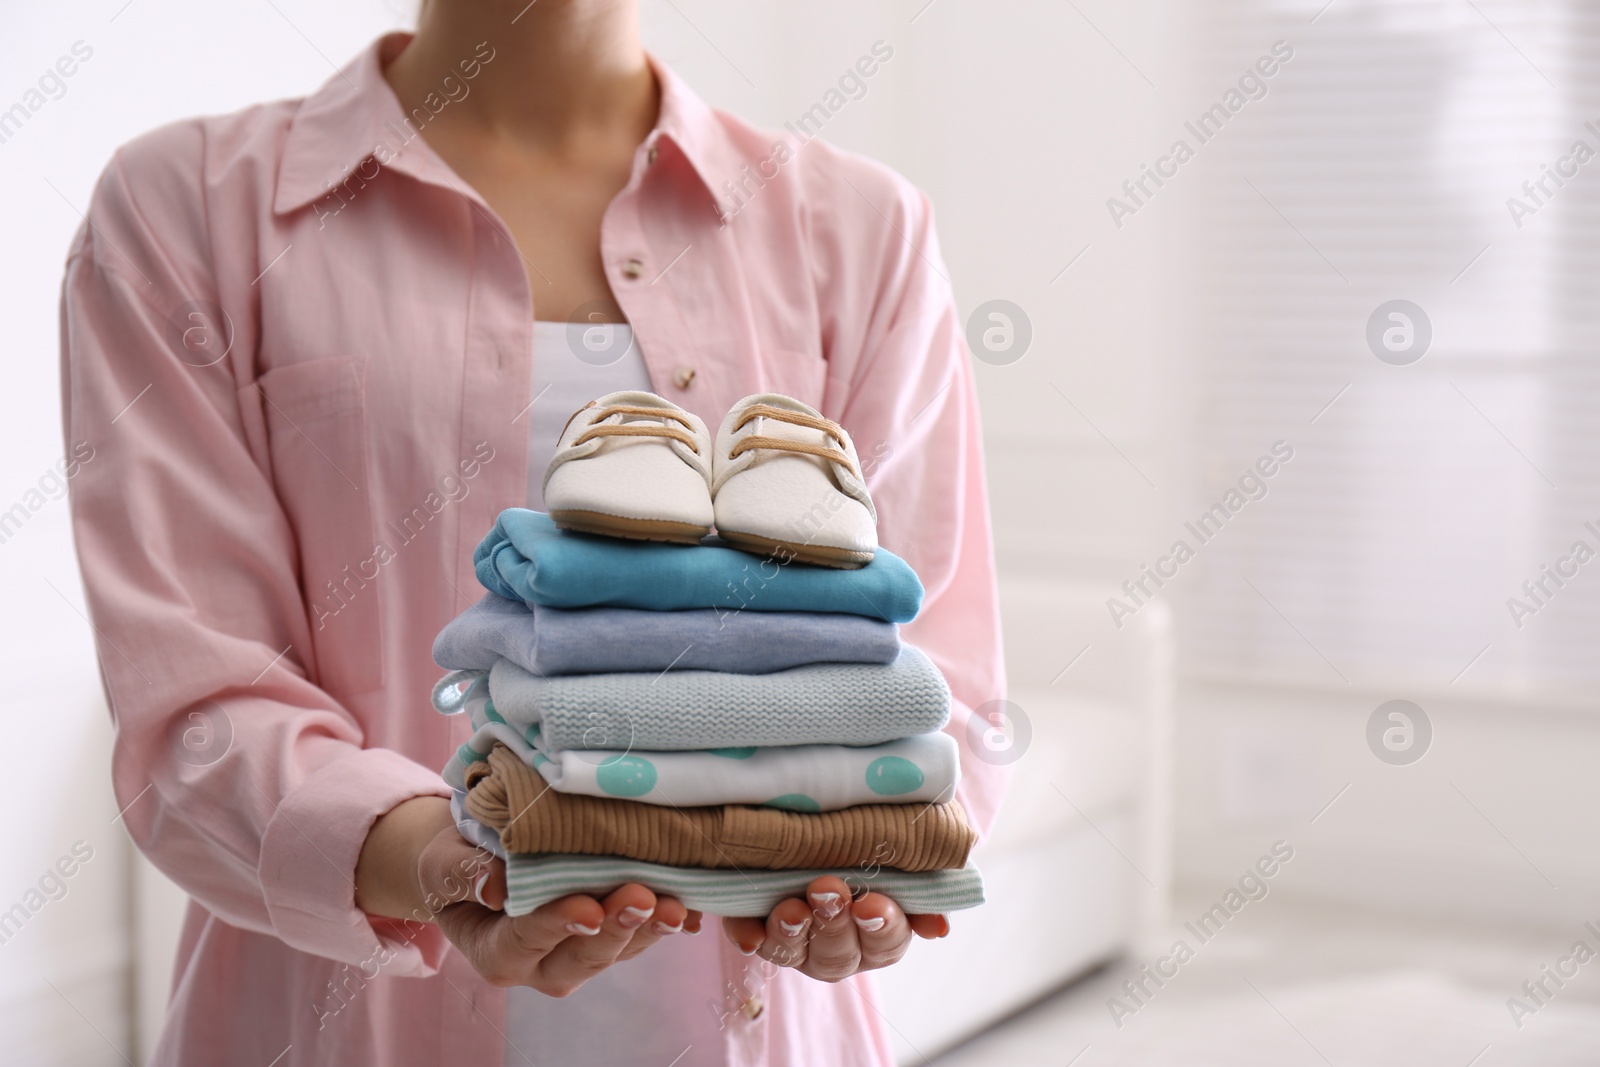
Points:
[65,991]
[1378,167]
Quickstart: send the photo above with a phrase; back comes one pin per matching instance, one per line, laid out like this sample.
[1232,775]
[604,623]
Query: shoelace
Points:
[634,429]
[779,444]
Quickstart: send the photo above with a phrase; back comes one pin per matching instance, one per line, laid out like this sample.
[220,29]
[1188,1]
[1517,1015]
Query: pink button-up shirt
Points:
[299,347]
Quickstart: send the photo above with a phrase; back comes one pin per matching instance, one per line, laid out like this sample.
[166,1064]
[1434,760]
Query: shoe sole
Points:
[821,555]
[665,530]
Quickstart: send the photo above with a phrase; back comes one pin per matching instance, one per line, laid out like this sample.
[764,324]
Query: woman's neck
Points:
[563,70]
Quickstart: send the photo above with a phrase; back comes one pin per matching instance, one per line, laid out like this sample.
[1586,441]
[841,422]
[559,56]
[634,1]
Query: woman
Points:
[310,343]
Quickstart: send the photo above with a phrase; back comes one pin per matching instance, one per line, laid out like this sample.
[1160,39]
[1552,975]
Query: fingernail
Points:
[631,917]
[827,904]
[585,931]
[748,951]
[794,929]
[477,888]
[663,928]
[871,925]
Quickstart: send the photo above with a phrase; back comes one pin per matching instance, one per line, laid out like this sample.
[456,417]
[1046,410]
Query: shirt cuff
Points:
[308,863]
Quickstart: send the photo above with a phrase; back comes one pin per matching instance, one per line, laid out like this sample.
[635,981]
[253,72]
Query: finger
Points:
[834,951]
[667,920]
[746,934]
[534,936]
[882,928]
[578,959]
[929,926]
[469,927]
[691,924]
[489,888]
[787,933]
[828,896]
[507,950]
[450,870]
[670,916]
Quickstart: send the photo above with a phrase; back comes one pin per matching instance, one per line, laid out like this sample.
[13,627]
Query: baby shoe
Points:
[785,478]
[632,464]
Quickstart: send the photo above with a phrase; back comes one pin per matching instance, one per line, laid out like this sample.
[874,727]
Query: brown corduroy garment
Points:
[507,795]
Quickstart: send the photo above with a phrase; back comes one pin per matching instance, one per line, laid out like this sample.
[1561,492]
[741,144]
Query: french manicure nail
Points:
[827,904]
[871,925]
[794,929]
[748,951]
[477,888]
[631,917]
[663,928]
[582,930]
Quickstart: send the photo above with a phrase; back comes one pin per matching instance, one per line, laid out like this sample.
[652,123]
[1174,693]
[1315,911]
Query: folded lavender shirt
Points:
[605,640]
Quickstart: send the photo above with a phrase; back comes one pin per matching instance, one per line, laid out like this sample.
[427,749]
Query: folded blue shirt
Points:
[604,640]
[526,558]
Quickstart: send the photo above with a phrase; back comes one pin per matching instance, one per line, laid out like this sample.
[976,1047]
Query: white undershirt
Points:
[573,364]
[649,1010]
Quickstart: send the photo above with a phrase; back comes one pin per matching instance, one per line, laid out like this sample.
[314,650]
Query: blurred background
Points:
[1284,320]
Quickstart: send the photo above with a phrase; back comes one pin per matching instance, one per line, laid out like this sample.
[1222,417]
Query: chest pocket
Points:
[793,373]
[316,423]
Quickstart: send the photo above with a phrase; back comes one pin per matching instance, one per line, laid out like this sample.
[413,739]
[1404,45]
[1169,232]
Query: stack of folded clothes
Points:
[719,727]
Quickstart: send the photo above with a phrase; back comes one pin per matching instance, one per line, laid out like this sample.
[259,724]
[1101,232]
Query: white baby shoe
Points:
[787,479]
[632,464]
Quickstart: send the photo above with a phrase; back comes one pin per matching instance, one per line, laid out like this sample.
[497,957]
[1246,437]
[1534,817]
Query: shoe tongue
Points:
[786,403]
[788,431]
[637,398]
[662,410]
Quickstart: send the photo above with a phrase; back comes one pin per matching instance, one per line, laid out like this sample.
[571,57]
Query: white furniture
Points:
[1084,833]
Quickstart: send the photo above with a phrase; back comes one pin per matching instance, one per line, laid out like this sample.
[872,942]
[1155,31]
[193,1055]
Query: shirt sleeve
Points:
[901,383]
[238,776]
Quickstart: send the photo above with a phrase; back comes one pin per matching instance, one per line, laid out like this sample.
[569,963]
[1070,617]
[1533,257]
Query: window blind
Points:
[1420,498]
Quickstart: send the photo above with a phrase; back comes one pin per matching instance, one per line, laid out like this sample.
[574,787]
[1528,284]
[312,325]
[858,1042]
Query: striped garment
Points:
[532,881]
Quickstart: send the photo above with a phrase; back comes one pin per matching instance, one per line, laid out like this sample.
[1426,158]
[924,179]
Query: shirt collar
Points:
[355,116]
[695,128]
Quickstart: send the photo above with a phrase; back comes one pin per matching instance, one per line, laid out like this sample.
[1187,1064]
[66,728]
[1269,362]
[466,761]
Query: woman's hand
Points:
[828,937]
[411,867]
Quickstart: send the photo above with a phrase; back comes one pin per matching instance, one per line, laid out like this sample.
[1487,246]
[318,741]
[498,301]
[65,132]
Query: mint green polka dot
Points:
[733,753]
[890,776]
[531,735]
[468,755]
[626,776]
[794,802]
[488,709]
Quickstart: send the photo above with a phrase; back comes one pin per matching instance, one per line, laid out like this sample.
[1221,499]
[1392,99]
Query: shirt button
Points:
[752,1008]
[683,377]
[633,268]
[650,156]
